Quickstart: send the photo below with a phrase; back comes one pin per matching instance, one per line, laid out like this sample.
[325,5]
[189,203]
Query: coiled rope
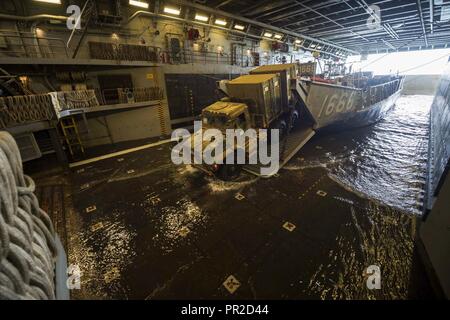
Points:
[27,237]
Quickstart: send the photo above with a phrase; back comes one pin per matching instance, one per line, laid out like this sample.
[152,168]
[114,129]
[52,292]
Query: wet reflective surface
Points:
[143,228]
[386,161]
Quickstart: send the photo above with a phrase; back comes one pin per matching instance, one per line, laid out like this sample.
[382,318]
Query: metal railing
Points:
[382,91]
[126,52]
[128,95]
[130,52]
[187,56]
[29,45]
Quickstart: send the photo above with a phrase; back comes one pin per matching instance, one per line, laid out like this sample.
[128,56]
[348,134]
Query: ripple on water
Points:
[386,161]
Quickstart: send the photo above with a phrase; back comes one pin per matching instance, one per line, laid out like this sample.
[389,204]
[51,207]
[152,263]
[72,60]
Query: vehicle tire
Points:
[283,129]
[229,172]
[295,119]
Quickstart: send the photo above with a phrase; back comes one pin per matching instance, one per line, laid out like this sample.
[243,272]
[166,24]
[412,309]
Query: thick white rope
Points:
[27,238]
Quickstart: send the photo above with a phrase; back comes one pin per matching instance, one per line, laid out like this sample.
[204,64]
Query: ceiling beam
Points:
[331,20]
[431,15]
[223,3]
[260,24]
[419,8]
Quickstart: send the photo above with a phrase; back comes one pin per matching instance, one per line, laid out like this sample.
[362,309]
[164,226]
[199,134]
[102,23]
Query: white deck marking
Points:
[118,153]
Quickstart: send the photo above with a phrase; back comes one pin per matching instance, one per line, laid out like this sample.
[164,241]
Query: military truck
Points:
[260,100]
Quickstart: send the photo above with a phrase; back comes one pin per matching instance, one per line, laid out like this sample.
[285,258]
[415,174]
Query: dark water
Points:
[385,161]
[153,221]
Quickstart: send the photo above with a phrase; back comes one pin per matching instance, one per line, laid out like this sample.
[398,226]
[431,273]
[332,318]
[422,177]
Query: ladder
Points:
[71,134]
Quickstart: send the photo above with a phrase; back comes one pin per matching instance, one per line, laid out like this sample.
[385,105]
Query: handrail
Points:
[38,45]
[33,18]
[19,45]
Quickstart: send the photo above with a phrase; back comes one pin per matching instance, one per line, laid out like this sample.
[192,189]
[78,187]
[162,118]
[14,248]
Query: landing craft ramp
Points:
[288,147]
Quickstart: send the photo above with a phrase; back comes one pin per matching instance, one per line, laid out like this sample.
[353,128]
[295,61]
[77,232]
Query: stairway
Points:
[87,12]
[12,86]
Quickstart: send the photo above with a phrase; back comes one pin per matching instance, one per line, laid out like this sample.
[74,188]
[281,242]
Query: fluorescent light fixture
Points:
[200,17]
[298,41]
[221,22]
[278,36]
[50,1]
[173,11]
[239,27]
[140,4]
[268,35]
[312,45]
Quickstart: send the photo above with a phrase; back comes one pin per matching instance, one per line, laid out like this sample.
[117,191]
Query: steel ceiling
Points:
[405,24]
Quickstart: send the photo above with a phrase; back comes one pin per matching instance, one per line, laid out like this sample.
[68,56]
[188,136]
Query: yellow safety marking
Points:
[310,187]
[239,196]
[91,208]
[289,226]
[231,284]
[321,193]
[97,226]
[184,231]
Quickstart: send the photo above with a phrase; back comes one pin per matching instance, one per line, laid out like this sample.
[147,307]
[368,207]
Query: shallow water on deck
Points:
[385,161]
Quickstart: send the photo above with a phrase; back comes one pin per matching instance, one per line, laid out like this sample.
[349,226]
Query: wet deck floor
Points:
[143,228]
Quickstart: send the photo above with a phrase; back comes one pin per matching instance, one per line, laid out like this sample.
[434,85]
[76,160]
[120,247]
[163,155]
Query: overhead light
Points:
[298,41]
[200,17]
[278,36]
[268,35]
[221,22]
[50,1]
[140,4]
[173,11]
[312,45]
[239,27]
[40,32]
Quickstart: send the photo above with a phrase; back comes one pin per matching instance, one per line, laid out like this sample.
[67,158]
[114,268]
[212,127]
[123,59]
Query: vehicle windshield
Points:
[217,120]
